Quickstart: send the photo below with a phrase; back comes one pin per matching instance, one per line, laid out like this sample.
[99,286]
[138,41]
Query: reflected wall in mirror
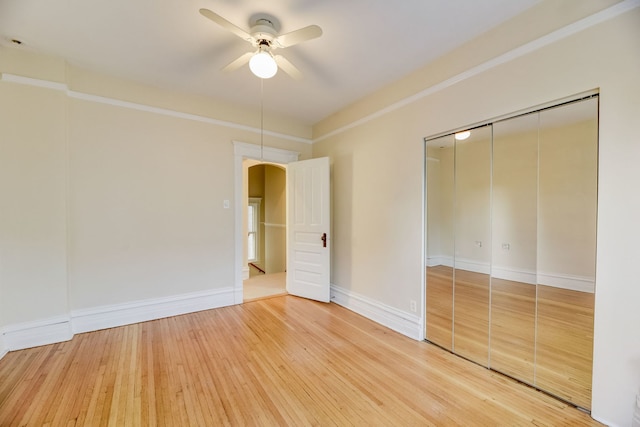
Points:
[514,252]
[567,249]
[511,244]
[439,220]
[472,258]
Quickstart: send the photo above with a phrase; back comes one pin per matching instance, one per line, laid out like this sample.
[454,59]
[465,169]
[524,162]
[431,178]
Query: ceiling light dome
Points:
[461,136]
[263,65]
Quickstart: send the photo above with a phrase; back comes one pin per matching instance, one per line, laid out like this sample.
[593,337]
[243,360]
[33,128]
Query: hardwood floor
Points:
[277,361]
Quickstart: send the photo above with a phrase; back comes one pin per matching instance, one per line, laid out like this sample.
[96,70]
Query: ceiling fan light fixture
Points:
[263,65]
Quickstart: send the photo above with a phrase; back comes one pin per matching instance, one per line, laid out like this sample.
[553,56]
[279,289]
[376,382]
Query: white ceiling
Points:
[365,45]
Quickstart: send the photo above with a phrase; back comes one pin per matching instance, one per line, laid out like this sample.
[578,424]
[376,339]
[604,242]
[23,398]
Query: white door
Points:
[308,240]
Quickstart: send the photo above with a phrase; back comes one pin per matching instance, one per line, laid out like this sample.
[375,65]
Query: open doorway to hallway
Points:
[264,274]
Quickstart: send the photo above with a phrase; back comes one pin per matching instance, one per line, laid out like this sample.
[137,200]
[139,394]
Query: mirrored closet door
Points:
[439,221]
[472,244]
[511,226]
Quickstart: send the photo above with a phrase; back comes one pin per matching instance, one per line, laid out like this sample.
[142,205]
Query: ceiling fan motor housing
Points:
[263,32]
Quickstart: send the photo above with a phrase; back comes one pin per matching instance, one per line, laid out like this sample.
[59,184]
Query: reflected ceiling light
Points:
[460,136]
[263,65]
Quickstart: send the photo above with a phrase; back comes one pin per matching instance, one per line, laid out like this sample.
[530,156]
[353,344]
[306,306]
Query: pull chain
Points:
[261,119]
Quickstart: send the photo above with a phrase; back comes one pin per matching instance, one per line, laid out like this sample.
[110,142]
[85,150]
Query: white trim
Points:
[567,281]
[110,316]
[400,321]
[556,280]
[3,349]
[12,78]
[40,332]
[472,265]
[62,328]
[241,151]
[514,274]
[555,36]
[246,272]
[603,421]
[435,260]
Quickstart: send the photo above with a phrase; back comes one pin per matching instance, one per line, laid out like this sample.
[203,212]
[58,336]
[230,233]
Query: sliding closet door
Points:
[439,211]
[472,256]
[566,250]
[514,237]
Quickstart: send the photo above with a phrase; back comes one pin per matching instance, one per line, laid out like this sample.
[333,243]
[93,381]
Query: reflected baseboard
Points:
[556,280]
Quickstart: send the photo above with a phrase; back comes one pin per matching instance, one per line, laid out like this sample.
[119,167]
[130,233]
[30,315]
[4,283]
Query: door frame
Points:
[242,151]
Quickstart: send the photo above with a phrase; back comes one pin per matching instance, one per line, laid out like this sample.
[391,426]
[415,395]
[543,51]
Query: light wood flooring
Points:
[276,361]
[264,286]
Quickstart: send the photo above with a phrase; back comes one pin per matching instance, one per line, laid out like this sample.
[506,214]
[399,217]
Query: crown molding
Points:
[62,87]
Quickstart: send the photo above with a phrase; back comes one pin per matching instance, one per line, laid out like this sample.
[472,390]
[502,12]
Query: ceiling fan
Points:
[264,37]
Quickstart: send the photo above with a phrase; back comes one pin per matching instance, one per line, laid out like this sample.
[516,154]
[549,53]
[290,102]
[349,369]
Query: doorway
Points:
[265,273]
[242,152]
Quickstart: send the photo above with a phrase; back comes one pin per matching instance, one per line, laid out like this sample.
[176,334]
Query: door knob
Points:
[324,240]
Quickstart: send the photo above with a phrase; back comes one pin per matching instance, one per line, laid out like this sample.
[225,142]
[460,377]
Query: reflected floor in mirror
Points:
[264,286]
[557,357]
[564,356]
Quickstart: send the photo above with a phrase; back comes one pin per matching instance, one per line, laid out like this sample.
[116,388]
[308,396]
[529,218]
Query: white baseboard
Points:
[40,332]
[400,321]
[3,348]
[436,260]
[110,316]
[62,328]
[566,281]
[514,274]
[603,421]
[556,280]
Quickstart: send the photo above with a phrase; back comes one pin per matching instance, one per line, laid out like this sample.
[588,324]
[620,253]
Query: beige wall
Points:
[107,202]
[568,199]
[515,195]
[378,171]
[33,204]
[275,219]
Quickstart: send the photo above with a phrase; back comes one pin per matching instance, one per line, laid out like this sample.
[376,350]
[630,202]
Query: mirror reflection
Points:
[567,250]
[472,245]
[440,203]
[514,252]
[511,244]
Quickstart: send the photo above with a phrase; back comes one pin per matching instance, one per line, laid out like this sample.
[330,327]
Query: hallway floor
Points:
[264,285]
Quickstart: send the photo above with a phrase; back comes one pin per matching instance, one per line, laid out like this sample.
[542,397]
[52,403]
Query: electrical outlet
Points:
[506,246]
[413,306]
[479,243]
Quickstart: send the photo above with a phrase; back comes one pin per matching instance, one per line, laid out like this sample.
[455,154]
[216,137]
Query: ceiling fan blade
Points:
[288,67]
[226,24]
[237,63]
[298,36]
